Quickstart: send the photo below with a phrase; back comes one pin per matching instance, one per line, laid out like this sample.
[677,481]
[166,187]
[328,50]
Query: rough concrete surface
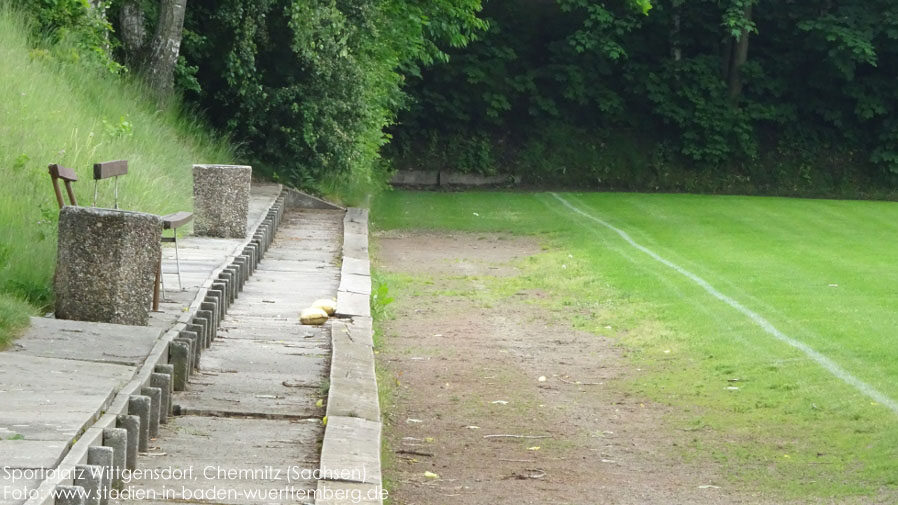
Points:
[217,447]
[105,265]
[53,399]
[352,448]
[63,373]
[87,341]
[221,200]
[253,403]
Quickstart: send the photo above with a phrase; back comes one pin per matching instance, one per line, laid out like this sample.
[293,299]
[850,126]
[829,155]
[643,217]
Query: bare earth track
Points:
[456,362]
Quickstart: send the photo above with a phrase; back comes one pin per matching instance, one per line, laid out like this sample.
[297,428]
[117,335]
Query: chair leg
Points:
[162,278]
[156,284]
[178,259]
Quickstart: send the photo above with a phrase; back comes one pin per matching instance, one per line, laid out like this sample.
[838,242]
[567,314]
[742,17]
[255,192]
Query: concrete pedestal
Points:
[106,264]
[221,200]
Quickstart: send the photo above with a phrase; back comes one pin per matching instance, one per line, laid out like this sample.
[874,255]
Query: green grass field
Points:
[55,110]
[824,273]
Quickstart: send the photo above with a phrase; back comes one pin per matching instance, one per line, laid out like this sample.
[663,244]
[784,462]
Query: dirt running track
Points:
[456,361]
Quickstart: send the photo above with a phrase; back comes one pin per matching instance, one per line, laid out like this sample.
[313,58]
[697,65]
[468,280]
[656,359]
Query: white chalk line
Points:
[831,366]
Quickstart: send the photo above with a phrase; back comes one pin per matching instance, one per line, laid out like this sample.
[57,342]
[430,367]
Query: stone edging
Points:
[448,178]
[352,436]
[171,361]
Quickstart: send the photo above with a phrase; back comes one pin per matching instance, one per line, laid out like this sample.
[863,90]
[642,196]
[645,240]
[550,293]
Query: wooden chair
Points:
[68,176]
[106,170]
[114,169]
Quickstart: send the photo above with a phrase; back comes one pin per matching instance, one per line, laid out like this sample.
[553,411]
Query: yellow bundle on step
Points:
[326,305]
[313,316]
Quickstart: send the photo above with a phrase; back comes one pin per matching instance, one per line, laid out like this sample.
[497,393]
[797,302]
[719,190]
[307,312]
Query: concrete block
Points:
[200,321]
[216,296]
[351,450]
[221,200]
[353,304]
[106,264]
[140,406]
[356,266]
[131,424]
[190,353]
[196,345]
[226,277]
[155,396]
[117,440]
[242,264]
[179,357]
[218,290]
[195,328]
[165,368]
[90,477]
[211,324]
[214,309]
[355,283]
[250,252]
[69,495]
[236,278]
[103,457]
[353,383]
[163,381]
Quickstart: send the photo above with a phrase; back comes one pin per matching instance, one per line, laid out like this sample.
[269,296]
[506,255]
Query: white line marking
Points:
[820,359]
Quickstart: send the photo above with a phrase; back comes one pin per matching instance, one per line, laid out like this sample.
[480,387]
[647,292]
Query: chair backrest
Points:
[109,169]
[106,170]
[68,177]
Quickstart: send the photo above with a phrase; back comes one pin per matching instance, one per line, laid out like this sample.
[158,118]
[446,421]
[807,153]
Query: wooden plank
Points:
[64,173]
[176,220]
[110,169]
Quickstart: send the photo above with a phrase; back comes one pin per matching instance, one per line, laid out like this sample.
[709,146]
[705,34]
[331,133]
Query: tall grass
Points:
[55,108]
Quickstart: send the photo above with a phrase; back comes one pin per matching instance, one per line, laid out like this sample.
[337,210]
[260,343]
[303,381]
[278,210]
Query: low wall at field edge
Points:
[445,178]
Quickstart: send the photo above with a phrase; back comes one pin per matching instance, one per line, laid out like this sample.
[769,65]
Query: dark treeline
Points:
[789,97]
[699,95]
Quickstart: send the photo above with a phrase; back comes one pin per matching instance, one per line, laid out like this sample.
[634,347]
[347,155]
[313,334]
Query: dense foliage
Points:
[697,95]
[306,87]
[309,86]
[729,95]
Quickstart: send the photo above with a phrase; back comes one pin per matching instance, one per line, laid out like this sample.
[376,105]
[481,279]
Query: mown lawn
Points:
[822,272]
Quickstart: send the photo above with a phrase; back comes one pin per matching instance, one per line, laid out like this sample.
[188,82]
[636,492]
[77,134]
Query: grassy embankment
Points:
[54,109]
[821,271]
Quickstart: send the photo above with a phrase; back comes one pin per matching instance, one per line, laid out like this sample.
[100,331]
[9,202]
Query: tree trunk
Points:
[166,45]
[133,31]
[738,58]
[675,50]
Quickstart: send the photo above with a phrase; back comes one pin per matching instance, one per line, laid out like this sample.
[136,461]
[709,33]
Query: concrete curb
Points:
[230,276]
[350,453]
[354,293]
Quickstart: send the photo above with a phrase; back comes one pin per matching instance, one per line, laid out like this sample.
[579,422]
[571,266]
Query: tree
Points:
[155,59]
[308,86]
[738,21]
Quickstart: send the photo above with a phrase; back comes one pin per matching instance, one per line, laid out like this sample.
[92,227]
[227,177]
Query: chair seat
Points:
[176,220]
